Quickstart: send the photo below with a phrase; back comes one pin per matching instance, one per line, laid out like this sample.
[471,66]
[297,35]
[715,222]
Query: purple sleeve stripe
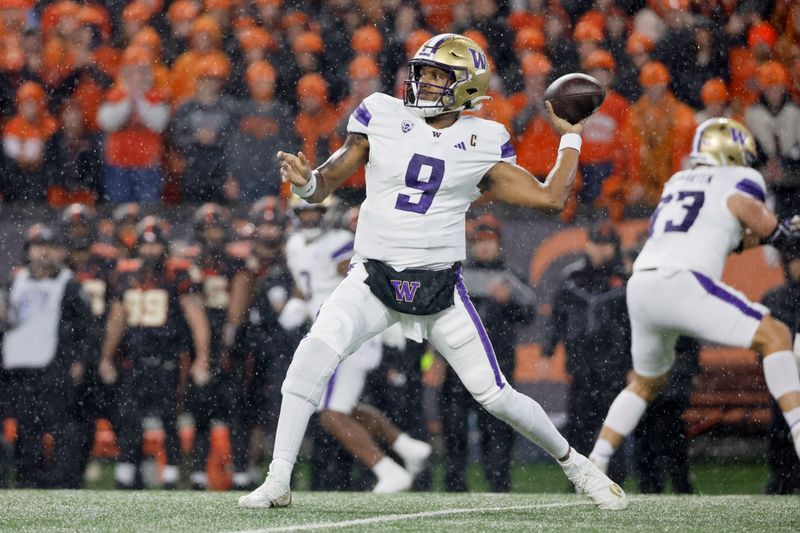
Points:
[507,150]
[326,400]
[362,114]
[343,250]
[752,188]
[719,292]
[476,321]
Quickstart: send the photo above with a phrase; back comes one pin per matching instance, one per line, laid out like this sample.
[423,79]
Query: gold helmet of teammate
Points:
[723,142]
[468,69]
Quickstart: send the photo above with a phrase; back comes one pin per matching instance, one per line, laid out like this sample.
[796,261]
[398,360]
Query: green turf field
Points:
[198,512]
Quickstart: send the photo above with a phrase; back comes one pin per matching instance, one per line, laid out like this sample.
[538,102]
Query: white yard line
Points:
[410,516]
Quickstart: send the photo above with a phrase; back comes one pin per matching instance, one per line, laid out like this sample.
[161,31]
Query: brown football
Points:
[575,96]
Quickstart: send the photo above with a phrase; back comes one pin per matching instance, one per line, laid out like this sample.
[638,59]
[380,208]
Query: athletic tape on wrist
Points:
[570,140]
[308,189]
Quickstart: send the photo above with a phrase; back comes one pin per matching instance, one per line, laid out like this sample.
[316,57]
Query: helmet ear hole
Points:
[471,91]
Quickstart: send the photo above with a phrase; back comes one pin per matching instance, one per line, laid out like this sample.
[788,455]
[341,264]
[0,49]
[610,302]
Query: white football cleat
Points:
[272,493]
[399,481]
[415,463]
[589,480]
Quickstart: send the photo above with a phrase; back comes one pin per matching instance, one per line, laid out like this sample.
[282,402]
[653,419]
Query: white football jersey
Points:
[313,264]
[692,227]
[420,182]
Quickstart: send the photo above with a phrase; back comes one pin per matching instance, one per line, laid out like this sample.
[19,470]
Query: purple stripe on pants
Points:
[329,389]
[473,314]
[718,292]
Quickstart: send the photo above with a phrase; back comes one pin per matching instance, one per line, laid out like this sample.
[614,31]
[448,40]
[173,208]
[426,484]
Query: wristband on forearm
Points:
[304,191]
[570,140]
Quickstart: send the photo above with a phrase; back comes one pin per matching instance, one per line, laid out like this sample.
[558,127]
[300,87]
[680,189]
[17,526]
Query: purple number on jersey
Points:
[429,188]
[696,198]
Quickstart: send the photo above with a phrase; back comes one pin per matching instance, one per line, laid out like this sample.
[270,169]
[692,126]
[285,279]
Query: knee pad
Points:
[335,329]
[499,402]
[313,363]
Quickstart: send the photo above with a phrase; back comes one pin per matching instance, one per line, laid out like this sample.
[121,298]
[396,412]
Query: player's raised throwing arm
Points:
[515,185]
[315,185]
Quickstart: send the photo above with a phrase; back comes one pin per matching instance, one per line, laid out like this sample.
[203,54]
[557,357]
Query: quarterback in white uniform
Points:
[425,163]
[318,258]
[704,214]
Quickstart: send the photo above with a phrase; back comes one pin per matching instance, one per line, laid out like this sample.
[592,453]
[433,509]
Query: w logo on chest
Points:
[405,291]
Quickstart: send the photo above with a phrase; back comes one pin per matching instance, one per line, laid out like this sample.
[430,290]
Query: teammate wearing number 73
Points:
[425,163]
[705,213]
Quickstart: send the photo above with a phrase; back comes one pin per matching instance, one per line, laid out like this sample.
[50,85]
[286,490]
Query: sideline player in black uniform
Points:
[93,264]
[227,285]
[149,302]
[273,331]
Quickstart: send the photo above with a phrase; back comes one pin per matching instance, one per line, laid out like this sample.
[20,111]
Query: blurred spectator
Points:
[43,359]
[661,446]
[412,44]
[316,122]
[498,107]
[29,147]
[149,40]
[714,96]
[504,303]
[637,54]
[590,317]
[784,304]
[536,141]
[180,15]
[364,80]
[204,39]
[89,72]
[588,37]
[604,157]
[263,127]
[558,46]
[775,123]
[135,16]
[78,176]
[706,58]
[761,38]
[132,117]
[487,18]
[660,131]
[201,129]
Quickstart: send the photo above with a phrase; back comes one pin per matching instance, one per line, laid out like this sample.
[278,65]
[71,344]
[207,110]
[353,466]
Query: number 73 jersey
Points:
[420,182]
[692,227]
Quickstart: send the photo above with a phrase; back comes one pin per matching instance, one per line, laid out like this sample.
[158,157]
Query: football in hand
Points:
[575,96]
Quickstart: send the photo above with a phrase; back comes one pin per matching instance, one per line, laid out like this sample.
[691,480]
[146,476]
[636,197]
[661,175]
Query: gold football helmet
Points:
[467,66]
[723,142]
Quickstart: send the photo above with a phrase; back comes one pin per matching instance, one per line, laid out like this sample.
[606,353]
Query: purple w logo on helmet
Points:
[738,136]
[405,291]
[478,59]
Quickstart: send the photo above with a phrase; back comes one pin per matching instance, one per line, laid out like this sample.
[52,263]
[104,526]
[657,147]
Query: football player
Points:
[705,213]
[425,163]
[151,297]
[93,264]
[227,285]
[318,258]
[276,322]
